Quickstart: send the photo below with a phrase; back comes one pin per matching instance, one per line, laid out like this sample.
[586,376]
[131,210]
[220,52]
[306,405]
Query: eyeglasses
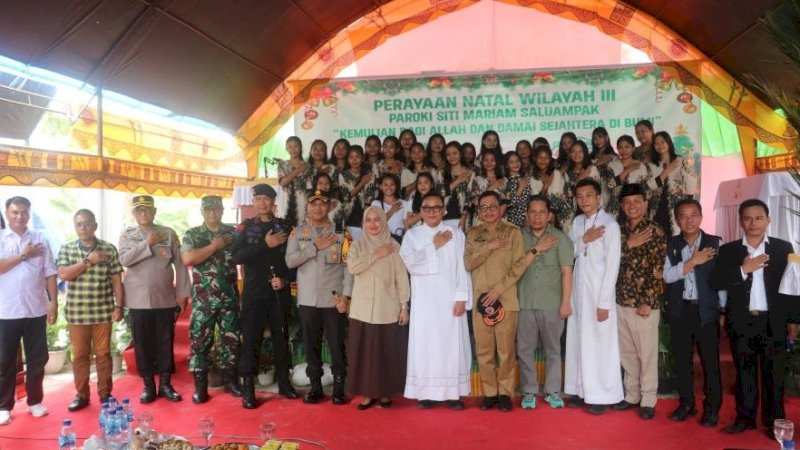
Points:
[430,209]
[492,207]
[84,224]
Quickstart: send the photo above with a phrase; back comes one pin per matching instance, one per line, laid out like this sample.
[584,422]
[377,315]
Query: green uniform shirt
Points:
[213,280]
[90,296]
[540,285]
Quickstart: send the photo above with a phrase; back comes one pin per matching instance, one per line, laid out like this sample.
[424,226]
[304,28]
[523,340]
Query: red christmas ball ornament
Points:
[311,114]
[685,97]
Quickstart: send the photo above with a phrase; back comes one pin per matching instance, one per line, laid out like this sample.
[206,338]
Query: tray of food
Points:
[234,446]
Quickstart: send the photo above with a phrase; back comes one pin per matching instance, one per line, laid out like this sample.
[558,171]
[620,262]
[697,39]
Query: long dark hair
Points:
[447,172]
[498,151]
[563,156]
[416,200]
[398,152]
[498,166]
[364,169]
[426,161]
[586,160]
[597,151]
[332,159]
[654,156]
[429,150]
[395,179]
[508,157]
[550,168]
[408,131]
[324,151]
[332,190]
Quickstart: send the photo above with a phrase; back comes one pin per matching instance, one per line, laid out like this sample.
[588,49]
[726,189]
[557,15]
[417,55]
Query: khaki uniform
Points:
[499,270]
[319,272]
[151,296]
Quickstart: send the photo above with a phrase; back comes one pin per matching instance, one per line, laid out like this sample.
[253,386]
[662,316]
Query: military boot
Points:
[231,383]
[249,392]
[315,394]
[286,389]
[338,391]
[166,390]
[149,393]
[200,387]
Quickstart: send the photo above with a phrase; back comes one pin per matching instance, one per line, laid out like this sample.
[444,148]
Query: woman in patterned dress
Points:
[644,134]
[435,151]
[357,188]
[318,158]
[407,138]
[602,155]
[393,162]
[470,157]
[389,202]
[627,170]
[519,188]
[418,163]
[674,180]
[372,150]
[490,178]
[458,183]
[564,149]
[294,177]
[339,157]
[525,153]
[424,184]
[544,171]
[579,167]
[336,210]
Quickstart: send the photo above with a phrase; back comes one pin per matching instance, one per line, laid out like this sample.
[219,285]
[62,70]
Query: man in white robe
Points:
[592,366]
[439,351]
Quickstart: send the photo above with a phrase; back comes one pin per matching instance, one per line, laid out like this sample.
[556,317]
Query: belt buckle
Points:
[756,313]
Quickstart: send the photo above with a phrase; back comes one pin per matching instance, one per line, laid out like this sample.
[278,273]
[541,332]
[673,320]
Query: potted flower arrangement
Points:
[57,347]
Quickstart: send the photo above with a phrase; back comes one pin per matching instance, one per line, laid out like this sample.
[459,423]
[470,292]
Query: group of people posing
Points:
[396,172]
[404,291]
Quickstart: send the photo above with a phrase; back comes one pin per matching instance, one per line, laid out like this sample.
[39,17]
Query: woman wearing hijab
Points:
[378,337]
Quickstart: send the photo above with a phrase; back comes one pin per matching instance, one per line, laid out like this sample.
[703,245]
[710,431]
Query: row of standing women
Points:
[395,173]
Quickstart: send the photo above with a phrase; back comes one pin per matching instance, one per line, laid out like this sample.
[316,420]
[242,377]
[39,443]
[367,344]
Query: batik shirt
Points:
[641,269]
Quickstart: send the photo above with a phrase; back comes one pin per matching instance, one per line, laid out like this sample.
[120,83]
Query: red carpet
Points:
[401,427]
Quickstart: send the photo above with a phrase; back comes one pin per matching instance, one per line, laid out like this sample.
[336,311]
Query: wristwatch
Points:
[533,251]
[87,262]
[23,257]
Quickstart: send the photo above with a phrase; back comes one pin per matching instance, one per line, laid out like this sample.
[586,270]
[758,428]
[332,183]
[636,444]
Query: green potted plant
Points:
[57,347]
[120,340]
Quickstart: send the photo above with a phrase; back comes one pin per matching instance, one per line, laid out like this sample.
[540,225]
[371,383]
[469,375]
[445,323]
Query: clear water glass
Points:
[784,430]
[267,431]
[207,428]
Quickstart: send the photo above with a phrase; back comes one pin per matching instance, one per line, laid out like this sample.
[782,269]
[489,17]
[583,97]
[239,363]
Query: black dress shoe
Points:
[364,406]
[313,396]
[425,404]
[682,412]
[710,419]
[286,389]
[505,403]
[78,404]
[647,412]
[597,409]
[623,406]
[387,403]
[456,405]
[576,402]
[739,426]
[489,403]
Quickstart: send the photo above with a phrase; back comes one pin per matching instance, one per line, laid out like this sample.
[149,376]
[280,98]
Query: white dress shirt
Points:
[758,292]
[23,289]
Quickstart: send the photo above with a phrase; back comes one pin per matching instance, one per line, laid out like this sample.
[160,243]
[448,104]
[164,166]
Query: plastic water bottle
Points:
[66,440]
[787,445]
[102,419]
[112,428]
[126,406]
[112,402]
[130,429]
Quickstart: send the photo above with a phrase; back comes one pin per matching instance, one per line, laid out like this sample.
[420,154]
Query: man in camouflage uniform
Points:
[215,300]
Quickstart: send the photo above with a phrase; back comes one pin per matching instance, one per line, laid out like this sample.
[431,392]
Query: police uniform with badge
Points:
[151,255]
[215,300]
[323,284]
[261,304]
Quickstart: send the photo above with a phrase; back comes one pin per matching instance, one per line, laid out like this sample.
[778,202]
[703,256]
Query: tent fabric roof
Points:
[218,61]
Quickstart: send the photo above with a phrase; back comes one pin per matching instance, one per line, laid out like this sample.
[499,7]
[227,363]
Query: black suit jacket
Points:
[708,300]
[727,275]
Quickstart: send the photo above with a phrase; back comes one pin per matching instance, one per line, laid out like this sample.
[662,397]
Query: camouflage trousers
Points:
[206,315]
